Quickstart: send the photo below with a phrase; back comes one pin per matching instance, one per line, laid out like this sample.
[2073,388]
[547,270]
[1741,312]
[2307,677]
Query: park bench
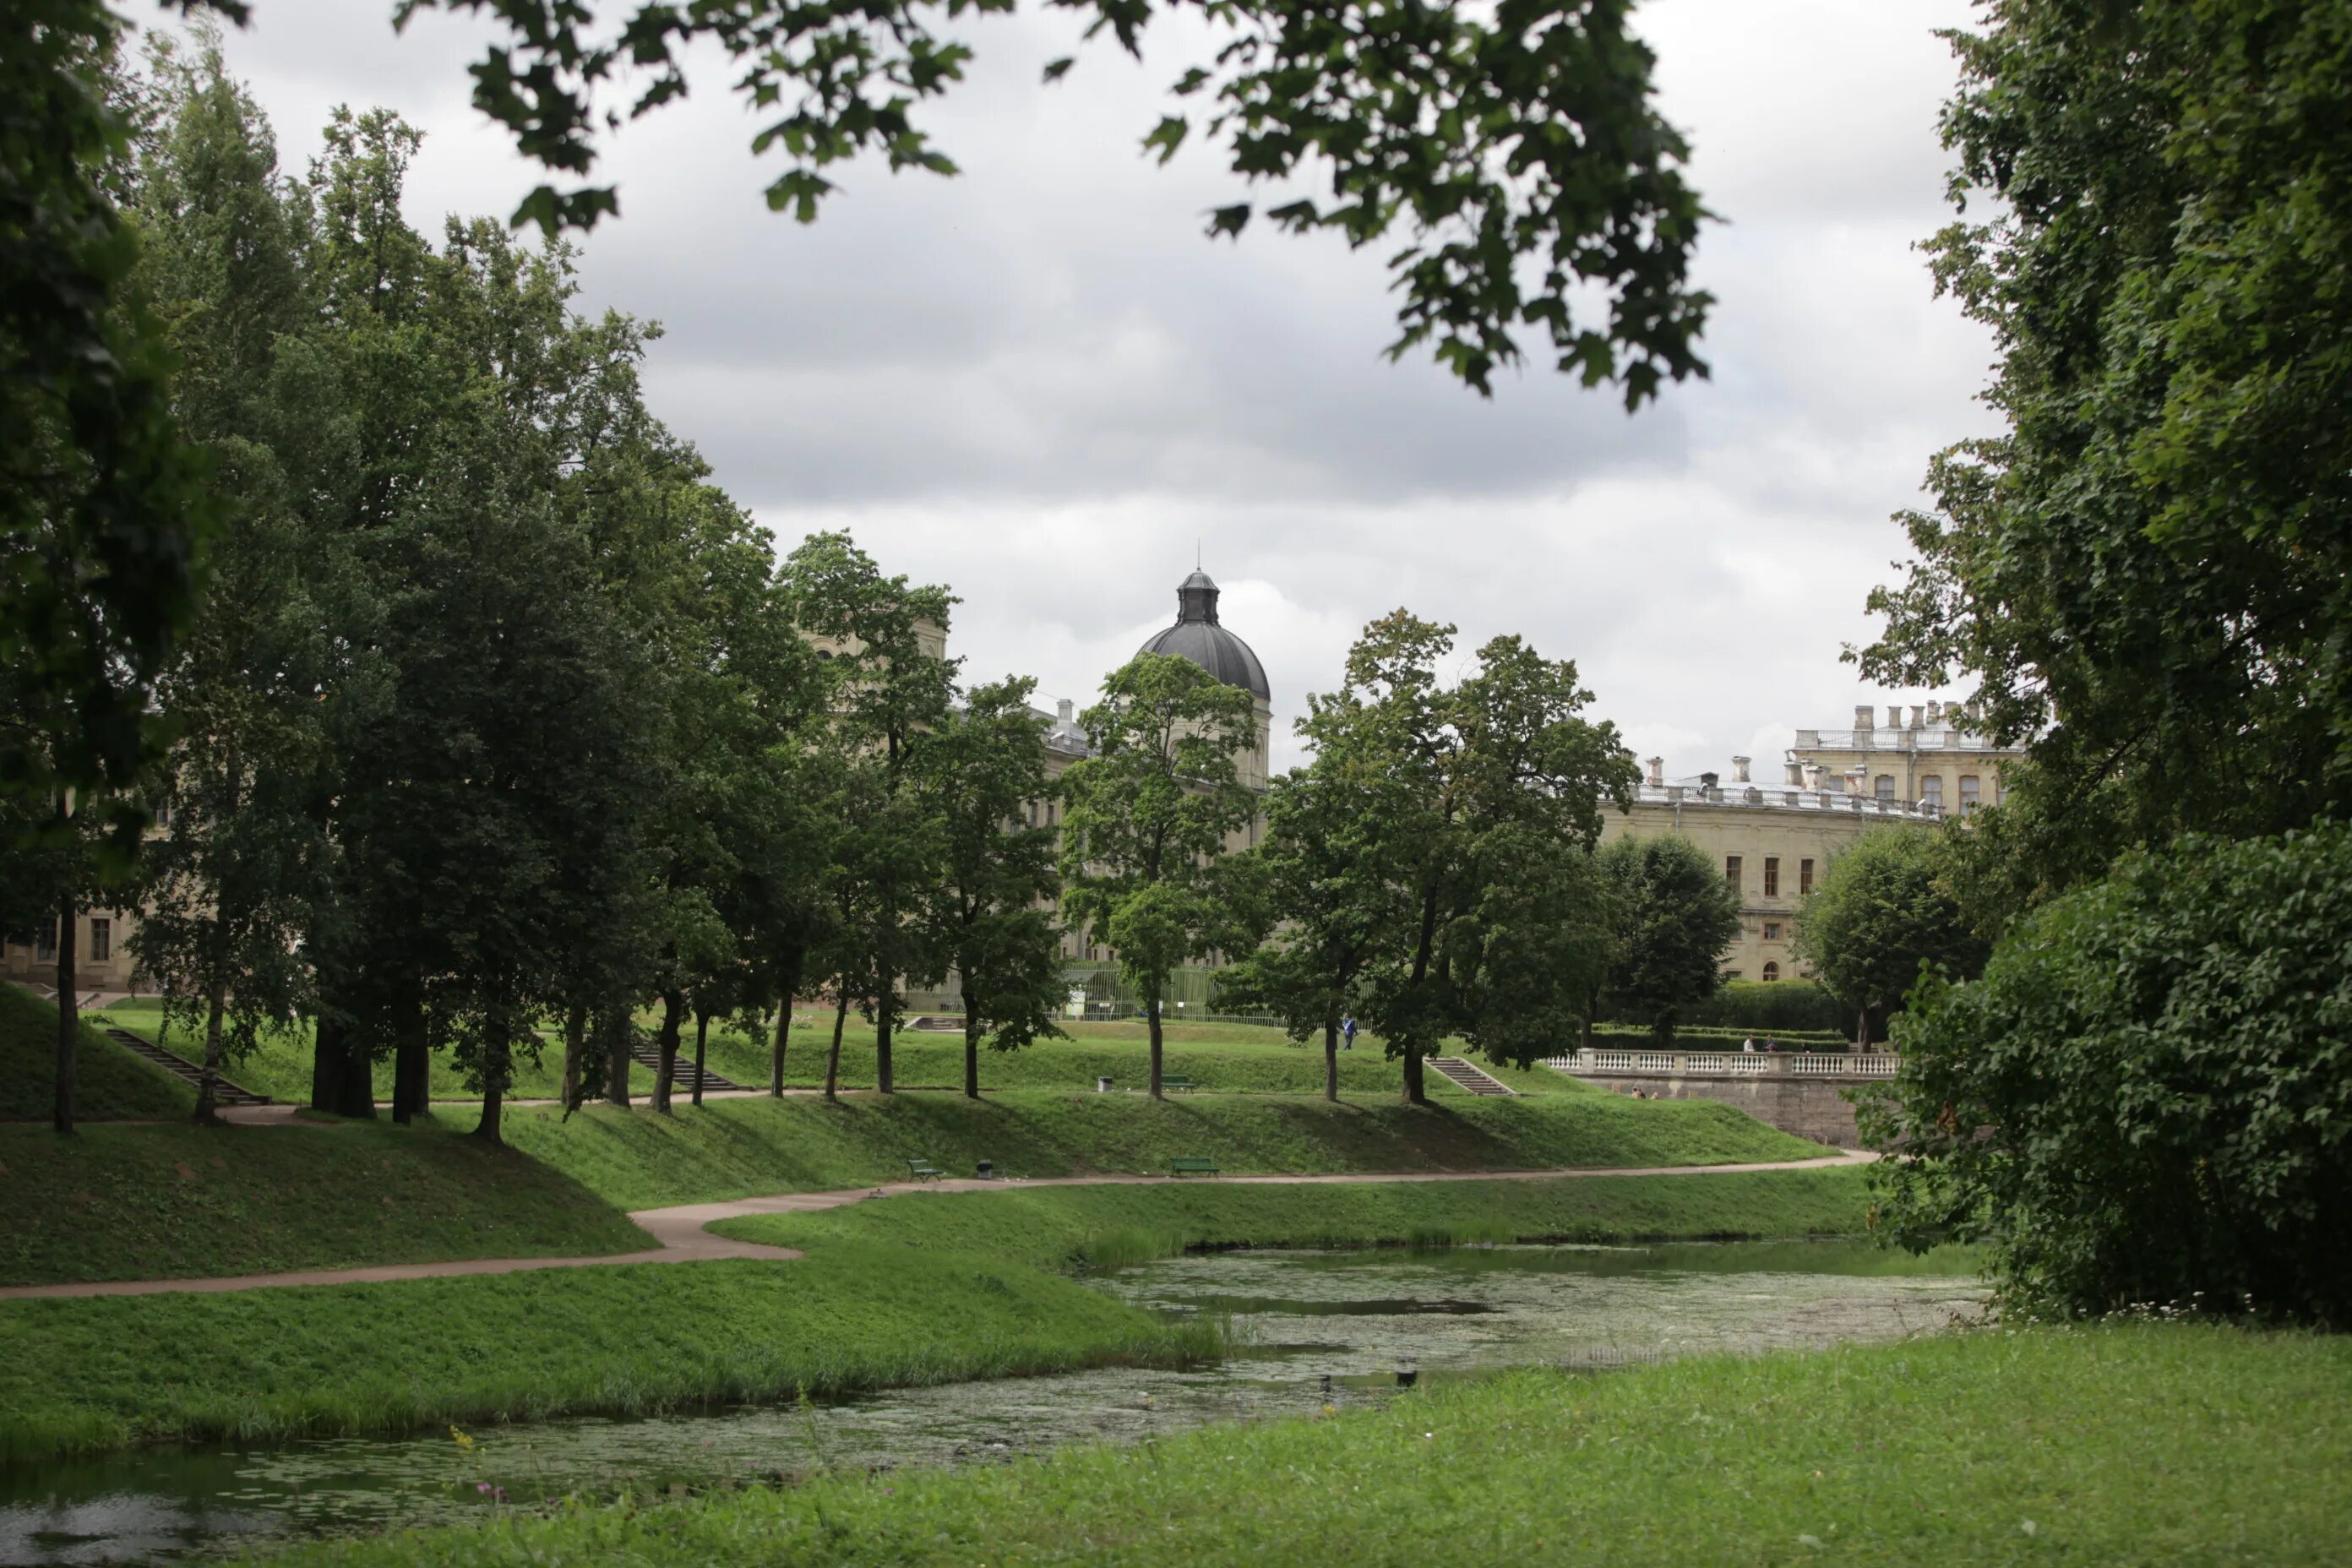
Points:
[1176,1080]
[1192,1165]
[923,1169]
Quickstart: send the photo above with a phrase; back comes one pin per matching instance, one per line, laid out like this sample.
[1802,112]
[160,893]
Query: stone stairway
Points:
[1476,1080]
[224,1091]
[647,1055]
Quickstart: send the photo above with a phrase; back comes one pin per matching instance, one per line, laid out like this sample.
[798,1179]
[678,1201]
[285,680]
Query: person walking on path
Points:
[1348,1032]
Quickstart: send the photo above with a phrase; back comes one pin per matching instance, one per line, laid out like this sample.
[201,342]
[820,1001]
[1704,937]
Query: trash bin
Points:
[985,1170]
[1102,1086]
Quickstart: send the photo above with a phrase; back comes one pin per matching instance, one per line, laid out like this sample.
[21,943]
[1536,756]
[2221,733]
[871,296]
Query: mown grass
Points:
[174,1201]
[2157,1445]
[1105,1227]
[1232,1057]
[110,1083]
[80,1375]
[744,1147]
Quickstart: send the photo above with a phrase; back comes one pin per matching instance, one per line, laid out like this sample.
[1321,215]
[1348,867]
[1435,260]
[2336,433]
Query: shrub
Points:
[2147,1097]
[1777,1006]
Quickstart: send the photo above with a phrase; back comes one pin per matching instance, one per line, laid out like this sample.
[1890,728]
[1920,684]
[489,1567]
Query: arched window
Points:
[1931,791]
[1970,793]
[1771,971]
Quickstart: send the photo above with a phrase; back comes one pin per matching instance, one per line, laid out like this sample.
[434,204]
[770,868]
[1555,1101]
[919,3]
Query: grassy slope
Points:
[172,1202]
[105,1372]
[738,1148]
[110,1084]
[2145,1445]
[1055,1226]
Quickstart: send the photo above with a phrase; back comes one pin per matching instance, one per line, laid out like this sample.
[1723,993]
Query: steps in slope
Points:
[1473,1078]
[648,1056]
[224,1091]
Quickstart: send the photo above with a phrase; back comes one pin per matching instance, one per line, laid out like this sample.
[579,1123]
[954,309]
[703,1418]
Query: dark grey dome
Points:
[1197,635]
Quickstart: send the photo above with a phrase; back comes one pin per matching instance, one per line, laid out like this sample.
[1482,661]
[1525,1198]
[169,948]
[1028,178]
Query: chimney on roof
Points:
[1065,707]
[1739,769]
[1862,716]
[1919,715]
[1793,772]
[1935,715]
[1813,776]
[1657,770]
[1894,715]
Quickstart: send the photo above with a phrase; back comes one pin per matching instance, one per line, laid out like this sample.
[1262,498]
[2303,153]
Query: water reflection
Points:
[1337,1329]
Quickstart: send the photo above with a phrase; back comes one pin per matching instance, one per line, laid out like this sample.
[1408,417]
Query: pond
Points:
[1342,1328]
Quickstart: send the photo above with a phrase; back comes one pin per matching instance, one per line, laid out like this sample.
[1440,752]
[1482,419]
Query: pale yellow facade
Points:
[1773,839]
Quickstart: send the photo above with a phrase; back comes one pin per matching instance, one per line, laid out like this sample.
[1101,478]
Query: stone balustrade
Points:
[1783,797]
[1725,1064]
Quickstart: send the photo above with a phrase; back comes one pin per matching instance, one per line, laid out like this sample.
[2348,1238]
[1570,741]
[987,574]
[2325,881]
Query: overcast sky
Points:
[1039,385]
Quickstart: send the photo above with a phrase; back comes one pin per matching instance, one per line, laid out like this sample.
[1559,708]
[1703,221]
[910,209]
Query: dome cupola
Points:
[1198,637]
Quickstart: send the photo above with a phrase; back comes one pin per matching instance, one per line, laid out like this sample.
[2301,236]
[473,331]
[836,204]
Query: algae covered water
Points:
[1316,1328]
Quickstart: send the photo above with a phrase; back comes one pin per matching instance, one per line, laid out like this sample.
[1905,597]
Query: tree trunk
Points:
[665,1053]
[208,1081]
[69,1010]
[882,1019]
[326,1062]
[1331,1061]
[576,1051]
[701,1038]
[1416,1091]
[970,1049]
[1151,1022]
[783,1037]
[497,1068]
[412,1065]
[833,1062]
[613,1027]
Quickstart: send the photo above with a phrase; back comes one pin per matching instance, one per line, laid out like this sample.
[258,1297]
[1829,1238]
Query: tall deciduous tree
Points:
[228,886]
[991,915]
[1671,916]
[104,504]
[2149,574]
[1489,795]
[889,688]
[1319,877]
[1150,813]
[1881,915]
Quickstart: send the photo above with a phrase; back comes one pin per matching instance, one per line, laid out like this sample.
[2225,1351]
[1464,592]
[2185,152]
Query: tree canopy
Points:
[1671,915]
[1881,915]
[2149,574]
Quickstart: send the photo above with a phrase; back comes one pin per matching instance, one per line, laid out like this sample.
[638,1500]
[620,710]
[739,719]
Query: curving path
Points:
[682,1238]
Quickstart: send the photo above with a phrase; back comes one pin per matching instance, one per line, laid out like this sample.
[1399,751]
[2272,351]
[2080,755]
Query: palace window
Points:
[1804,878]
[44,944]
[1886,788]
[1771,876]
[1731,872]
[1931,791]
[1771,971]
[1970,793]
[102,941]
[1772,930]
[164,814]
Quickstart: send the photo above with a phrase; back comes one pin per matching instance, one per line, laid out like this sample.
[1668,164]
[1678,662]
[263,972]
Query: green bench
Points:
[923,1169]
[1192,1165]
[1176,1080]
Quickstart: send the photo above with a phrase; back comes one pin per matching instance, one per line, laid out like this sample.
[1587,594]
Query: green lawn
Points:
[1056,1228]
[106,1371]
[2161,1446]
[110,1084]
[739,1148]
[177,1201]
[1225,1057]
